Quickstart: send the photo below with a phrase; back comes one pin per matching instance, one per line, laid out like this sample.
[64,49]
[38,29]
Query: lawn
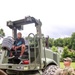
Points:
[72,65]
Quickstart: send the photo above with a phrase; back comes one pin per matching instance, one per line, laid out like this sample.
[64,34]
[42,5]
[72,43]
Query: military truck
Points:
[37,59]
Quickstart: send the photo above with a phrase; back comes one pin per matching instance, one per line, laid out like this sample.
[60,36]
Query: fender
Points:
[49,61]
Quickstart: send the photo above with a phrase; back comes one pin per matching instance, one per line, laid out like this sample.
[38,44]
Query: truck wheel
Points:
[2,72]
[50,70]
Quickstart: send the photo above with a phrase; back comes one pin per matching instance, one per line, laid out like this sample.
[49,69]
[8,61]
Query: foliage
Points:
[73,41]
[67,42]
[32,41]
[61,42]
[54,49]
[65,52]
[58,42]
[68,53]
[2,32]
[51,42]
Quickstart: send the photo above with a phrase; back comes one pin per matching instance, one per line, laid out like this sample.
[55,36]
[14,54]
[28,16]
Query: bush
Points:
[54,49]
[68,53]
[65,52]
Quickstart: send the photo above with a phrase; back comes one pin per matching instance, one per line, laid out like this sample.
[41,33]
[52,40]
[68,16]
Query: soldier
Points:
[68,70]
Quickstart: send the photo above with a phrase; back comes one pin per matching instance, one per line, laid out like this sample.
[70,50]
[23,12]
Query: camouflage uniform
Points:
[67,70]
[58,71]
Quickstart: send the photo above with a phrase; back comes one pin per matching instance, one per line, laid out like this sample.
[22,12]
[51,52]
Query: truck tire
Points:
[2,72]
[50,70]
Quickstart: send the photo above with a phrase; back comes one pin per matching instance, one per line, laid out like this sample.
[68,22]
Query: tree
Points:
[65,52]
[51,42]
[58,42]
[2,32]
[73,54]
[73,41]
[67,42]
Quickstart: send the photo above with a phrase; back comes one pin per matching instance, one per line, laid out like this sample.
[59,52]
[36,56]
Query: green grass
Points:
[72,65]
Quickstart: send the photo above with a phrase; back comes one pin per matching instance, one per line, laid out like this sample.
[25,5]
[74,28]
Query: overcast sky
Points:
[57,16]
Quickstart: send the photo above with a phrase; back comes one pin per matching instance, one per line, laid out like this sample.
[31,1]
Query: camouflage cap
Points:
[68,59]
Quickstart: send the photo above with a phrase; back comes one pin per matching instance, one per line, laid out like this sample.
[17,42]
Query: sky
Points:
[57,16]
